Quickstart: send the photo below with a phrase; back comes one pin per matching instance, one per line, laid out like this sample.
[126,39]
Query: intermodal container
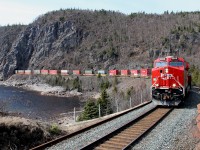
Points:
[113,72]
[135,73]
[101,72]
[64,72]
[145,72]
[54,72]
[125,72]
[44,72]
[36,71]
[76,72]
[28,72]
[89,72]
[20,71]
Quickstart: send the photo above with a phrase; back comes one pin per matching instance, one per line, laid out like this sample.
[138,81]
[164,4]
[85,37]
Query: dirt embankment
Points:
[21,133]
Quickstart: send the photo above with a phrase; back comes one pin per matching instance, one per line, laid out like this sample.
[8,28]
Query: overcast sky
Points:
[25,11]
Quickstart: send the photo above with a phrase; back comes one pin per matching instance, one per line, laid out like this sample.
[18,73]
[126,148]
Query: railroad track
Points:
[65,137]
[126,136]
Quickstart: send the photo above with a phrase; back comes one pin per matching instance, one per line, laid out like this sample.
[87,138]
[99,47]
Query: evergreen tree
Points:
[90,111]
[77,84]
[105,85]
[104,103]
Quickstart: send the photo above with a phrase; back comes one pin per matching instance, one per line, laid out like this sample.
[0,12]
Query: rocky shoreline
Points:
[35,83]
[43,88]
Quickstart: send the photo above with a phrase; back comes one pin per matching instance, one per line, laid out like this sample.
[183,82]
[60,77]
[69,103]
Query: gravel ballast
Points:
[93,134]
[174,132]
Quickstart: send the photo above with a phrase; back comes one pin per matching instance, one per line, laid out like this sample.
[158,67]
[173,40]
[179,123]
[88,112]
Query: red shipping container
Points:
[125,72]
[145,72]
[135,73]
[54,72]
[44,71]
[113,72]
[76,72]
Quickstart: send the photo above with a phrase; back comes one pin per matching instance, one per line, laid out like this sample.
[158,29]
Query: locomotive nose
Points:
[164,77]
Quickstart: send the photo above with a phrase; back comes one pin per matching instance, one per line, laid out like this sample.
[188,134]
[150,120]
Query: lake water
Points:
[35,106]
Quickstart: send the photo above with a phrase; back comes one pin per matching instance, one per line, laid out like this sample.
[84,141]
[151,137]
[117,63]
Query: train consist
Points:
[170,78]
[145,73]
[170,81]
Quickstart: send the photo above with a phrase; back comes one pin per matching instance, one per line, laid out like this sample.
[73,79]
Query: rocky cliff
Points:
[38,47]
[82,39]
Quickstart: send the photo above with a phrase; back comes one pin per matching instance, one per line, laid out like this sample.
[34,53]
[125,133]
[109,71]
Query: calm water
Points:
[33,105]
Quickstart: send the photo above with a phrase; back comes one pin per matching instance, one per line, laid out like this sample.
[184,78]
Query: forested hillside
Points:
[84,39]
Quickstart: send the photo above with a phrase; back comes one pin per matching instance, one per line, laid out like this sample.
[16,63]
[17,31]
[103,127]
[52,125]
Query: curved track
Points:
[58,140]
[124,137]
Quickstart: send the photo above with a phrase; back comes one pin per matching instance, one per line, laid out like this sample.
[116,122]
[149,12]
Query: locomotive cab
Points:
[169,81]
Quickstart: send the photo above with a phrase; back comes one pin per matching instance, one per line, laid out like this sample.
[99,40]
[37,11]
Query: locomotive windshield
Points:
[160,64]
[176,64]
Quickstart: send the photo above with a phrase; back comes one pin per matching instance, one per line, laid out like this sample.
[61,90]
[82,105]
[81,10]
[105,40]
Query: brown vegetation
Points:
[21,133]
[84,39]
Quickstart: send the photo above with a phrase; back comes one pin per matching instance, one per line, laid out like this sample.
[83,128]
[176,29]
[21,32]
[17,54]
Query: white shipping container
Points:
[20,72]
[88,71]
[36,71]
[28,71]
[64,72]
[101,72]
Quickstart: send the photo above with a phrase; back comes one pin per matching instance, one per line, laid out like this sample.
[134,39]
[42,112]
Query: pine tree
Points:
[90,111]
[104,103]
[77,84]
[104,85]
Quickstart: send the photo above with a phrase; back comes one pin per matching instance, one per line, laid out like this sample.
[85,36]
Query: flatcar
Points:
[170,81]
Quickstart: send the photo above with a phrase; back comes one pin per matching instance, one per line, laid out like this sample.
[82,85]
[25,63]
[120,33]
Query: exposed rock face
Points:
[82,39]
[41,46]
[7,39]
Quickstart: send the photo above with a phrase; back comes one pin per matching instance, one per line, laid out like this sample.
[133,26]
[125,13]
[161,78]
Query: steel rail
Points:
[60,139]
[124,137]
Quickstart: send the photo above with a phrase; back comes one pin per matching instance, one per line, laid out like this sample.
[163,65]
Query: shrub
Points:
[62,19]
[55,80]
[69,84]
[195,75]
[54,130]
[99,76]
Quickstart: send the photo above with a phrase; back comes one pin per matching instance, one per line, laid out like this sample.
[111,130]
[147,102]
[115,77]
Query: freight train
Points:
[145,73]
[170,81]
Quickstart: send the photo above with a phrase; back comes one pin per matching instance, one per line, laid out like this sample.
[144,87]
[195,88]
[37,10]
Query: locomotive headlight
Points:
[166,70]
[154,79]
[174,85]
[157,84]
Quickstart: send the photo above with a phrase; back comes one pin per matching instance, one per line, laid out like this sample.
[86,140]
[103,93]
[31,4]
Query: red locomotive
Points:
[170,81]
